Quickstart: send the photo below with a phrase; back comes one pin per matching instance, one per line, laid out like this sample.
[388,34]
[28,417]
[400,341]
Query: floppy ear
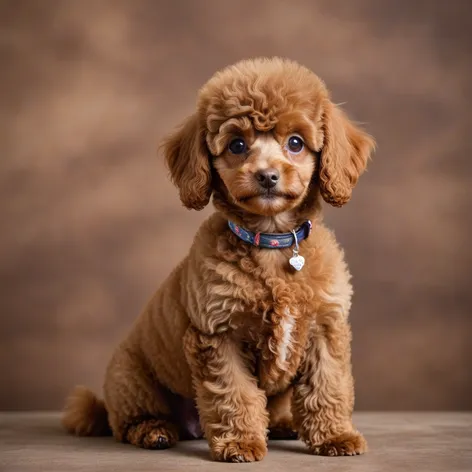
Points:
[346,150]
[188,160]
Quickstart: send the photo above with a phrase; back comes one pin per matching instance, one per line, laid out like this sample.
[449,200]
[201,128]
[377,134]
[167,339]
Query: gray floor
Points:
[398,441]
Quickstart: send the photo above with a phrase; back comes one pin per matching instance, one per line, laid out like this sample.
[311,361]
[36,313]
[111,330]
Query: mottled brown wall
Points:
[90,225]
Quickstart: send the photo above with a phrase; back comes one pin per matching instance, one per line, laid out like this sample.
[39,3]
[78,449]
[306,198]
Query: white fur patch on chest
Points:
[287,324]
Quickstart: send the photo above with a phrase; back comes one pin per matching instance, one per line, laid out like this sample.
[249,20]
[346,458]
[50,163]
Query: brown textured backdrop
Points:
[90,224]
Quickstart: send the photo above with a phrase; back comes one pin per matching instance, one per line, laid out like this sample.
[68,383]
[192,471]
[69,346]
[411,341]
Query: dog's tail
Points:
[85,414]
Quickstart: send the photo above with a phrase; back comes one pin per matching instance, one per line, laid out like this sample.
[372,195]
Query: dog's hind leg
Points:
[137,405]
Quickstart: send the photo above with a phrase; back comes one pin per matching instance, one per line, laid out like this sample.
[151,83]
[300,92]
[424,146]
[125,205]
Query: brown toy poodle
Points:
[252,325]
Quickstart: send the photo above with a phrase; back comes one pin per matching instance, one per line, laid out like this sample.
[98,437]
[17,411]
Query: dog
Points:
[249,335]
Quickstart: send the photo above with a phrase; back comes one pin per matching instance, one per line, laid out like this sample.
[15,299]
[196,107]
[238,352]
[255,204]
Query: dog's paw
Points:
[153,434]
[225,450]
[347,444]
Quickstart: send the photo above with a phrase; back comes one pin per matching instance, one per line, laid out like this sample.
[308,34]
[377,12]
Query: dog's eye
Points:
[295,144]
[237,146]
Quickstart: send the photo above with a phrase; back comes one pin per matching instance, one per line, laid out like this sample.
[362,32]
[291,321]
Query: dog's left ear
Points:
[188,160]
[346,150]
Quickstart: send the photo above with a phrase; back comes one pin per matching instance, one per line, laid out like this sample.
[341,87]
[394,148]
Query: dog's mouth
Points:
[266,202]
[267,195]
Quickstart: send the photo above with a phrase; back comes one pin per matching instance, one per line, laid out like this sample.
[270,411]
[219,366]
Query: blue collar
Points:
[271,240]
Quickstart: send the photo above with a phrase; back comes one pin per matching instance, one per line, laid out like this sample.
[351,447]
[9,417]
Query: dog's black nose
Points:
[267,178]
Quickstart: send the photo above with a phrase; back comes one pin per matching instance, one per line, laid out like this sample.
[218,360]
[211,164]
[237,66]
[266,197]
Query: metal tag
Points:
[297,262]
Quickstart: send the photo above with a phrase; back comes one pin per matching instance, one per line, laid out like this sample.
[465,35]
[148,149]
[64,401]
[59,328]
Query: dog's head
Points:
[265,136]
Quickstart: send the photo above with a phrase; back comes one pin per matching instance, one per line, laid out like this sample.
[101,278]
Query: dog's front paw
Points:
[346,444]
[233,450]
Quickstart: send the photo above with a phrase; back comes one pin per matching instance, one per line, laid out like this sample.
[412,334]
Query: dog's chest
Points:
[268,309]
[278,346]
[275,331]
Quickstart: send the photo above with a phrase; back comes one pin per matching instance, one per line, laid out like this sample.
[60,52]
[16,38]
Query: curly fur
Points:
[257,345]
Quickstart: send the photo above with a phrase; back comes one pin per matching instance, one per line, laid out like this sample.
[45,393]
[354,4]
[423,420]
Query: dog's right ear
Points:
[188,160]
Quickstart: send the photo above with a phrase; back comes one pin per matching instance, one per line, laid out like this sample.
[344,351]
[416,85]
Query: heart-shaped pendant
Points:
[297,262]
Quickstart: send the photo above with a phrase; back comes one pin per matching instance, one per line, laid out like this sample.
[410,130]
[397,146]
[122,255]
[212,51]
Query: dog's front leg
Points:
[232,408]
[323,396]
